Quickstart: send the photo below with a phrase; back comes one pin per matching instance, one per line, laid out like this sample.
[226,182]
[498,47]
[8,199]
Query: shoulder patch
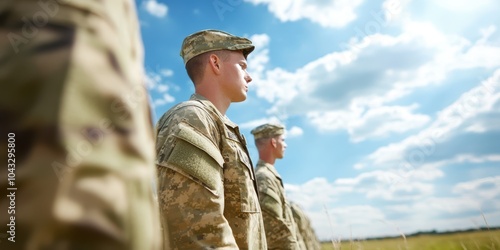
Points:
[198,157]
[200,141]
[270,203]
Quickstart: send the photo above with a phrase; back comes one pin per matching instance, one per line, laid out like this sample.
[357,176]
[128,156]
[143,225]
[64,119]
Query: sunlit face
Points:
[235,78]
[280,146]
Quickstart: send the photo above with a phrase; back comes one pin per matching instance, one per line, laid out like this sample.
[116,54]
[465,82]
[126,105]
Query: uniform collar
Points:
[271,168]
[207,103]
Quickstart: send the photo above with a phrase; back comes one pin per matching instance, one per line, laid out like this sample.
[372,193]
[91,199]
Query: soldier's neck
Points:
[220,102]
[267,159]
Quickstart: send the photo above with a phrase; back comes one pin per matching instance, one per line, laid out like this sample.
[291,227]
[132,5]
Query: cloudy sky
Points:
[392,106]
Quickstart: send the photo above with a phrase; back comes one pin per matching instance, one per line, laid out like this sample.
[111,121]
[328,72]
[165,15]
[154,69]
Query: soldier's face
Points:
[235,77]
[280,146]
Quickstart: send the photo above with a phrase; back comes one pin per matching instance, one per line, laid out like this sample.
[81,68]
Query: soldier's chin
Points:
[241,98]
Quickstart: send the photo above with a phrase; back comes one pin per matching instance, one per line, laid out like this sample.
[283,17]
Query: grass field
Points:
[483,240]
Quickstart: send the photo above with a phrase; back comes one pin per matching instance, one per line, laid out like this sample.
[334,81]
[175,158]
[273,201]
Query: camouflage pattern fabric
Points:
[210,40]
[206,184]
[267,130]
[305,229]
[276,211]
[300,238]
[73,95]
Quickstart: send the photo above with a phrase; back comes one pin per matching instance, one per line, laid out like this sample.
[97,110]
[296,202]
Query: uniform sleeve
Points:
[77,104]
[299,219]
[279,232]
[190,186]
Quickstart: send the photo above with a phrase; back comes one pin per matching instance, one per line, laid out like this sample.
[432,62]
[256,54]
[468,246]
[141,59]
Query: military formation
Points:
[87,151]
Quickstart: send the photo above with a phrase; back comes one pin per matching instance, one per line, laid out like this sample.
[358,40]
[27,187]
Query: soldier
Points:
[75,109]
[206,184]
[305,229]
[278,218]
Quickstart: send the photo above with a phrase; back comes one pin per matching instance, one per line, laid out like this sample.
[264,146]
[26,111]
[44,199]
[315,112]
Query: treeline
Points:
[454,231]
[419,233]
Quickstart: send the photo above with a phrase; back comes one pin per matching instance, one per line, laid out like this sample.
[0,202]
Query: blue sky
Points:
[392,107]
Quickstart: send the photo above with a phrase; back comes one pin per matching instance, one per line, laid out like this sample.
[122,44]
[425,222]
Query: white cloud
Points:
[336,209]
[167,72]
[155,8]
[485,123]
[486,188]
[377,185]
[279,86]
[427,171]
[374,185]
[258,122]
[345,218]
[350,202]
[165,99]
[339,222]
[152,80]
[394,9]
[336,13]
[162,88]
[353,89]
[158,89]
[450,122]
[294,132]
[375,122]
[314,193]
[258,63]
[465,6]
[334,216]
[258,59]
[486,33]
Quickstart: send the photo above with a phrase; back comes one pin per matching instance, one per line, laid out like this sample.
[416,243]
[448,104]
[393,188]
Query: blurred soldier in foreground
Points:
[305,230]
[278,219]
[206,184]
[73,100]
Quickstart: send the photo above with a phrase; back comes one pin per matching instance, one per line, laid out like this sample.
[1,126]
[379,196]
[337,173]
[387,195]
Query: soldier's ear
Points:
[273,142]
[214,62]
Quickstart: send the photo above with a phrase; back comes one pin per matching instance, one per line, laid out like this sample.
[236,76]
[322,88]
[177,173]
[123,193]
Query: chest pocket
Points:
[248,192]
[240,175]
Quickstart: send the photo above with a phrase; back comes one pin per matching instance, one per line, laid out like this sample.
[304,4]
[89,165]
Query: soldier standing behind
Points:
[74,101]
[206,184]
[305,229]
[278,219]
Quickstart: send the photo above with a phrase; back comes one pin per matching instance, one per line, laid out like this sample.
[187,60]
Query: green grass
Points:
[478,240]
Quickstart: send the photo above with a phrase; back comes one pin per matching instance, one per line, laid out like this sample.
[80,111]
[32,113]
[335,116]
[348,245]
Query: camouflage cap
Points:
[210,40]
[267,130]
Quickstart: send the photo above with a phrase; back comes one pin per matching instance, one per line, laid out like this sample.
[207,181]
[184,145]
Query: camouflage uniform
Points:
[73,94]
[300,238]
[278,218]
[305,229]
[206,183]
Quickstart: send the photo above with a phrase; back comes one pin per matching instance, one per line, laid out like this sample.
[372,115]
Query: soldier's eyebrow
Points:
[243,64]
